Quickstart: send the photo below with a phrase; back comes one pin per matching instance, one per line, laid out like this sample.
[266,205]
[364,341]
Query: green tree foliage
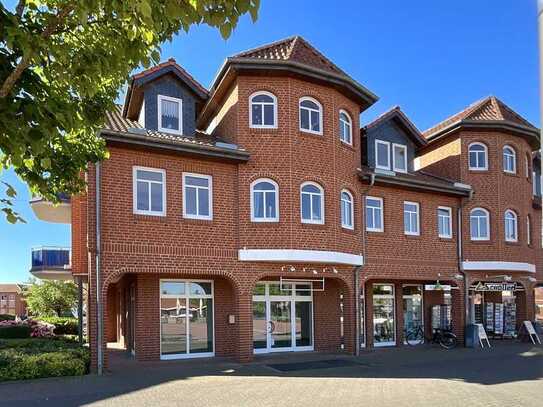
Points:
[62,64]
[51,298]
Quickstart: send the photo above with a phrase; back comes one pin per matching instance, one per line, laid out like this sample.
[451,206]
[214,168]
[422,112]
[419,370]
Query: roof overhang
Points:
[498,266]
[232,66]
[529,133]
[414,184]
[141,140]
[403,121]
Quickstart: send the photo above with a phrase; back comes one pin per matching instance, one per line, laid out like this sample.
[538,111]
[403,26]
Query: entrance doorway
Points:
[413,317]
[282,317]
[384,325]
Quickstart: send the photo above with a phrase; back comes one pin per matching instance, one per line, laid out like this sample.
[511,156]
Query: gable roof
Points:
[396,114]
[489,111]
[120,129]
[294,48]
[168,67]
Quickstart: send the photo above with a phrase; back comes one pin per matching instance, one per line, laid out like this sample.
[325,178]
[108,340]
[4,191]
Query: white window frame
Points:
[487,217]
[417,213]
[264,219]
[341,200]
[321,194]
[382,217]
[513,154]
[343,124]
[528,172]
[392,297]
[449,211]
[513,239]
[274,104]
[404,148]
[485,151]
[209,178]
[187,297]
[387,144]
[135,191]
[159,119]
[320,111]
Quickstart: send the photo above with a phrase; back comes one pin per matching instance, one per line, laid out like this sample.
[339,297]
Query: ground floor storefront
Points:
[164,316]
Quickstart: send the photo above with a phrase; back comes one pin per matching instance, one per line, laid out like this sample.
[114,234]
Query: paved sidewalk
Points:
[507,375]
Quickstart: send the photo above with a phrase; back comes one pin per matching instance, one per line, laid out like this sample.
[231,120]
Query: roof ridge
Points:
[261,47]
[318,53]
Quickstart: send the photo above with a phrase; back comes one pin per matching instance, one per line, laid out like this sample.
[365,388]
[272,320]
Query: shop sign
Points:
[437,287]
[495,286]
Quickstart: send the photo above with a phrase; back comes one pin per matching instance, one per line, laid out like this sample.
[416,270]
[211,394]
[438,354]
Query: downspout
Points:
[99,311]
[460,255]
[359,269]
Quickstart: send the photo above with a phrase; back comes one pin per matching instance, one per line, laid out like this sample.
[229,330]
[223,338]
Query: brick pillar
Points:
[244,307]
[458,312]
[349,319]
[530,302]
[368,295]
[147,337]
[399,323]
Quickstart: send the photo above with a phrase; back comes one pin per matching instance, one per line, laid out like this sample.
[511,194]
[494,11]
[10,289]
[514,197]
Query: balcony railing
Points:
[51,263]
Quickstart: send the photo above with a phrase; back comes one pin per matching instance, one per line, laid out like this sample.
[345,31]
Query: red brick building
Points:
[257,217]
[11,300]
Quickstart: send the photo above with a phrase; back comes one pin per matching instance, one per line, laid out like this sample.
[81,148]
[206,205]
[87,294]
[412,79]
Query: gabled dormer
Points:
[390,142]
[165,98]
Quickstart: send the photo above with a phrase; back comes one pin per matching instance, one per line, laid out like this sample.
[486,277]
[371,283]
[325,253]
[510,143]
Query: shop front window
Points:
[383,315]
[412,307]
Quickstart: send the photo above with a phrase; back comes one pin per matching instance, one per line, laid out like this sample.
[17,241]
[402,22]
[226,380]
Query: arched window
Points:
[264,201]
[478,157]
[312,203]
[345,127]
[528,230]
[263,111]
[511,226]
[310,115]
[347,211]
[509,160]
[479,224]
[528,166]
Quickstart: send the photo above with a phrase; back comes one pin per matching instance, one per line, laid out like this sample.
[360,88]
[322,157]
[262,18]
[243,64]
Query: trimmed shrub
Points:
[15,331]
[7,317]
[63,325]
[34,358]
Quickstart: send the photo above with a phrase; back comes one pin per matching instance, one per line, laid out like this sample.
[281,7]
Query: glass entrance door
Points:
[384,328]
[412,308]
[282,317]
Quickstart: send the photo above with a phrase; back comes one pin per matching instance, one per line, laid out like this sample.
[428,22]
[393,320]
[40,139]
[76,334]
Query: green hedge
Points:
[63,325]
[19,331]
[7,317]
[34,358]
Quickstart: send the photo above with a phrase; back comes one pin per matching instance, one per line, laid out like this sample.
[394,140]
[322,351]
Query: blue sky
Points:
[433,58]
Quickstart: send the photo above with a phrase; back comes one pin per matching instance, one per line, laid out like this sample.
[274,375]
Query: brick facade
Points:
[139,250]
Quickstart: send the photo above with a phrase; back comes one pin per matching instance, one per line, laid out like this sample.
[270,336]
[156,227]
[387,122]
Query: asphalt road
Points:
[507,375]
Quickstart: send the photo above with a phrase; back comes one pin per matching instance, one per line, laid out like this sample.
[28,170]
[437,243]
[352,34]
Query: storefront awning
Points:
[300,256]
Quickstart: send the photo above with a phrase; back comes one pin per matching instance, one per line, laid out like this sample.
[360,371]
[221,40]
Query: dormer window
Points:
[170,114]
[382,155]
[399,157]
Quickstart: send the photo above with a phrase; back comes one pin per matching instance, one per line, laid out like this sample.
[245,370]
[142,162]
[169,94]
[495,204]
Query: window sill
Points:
[310,133]
[198,220]
[314,225]
[264,130]
[511,174]
[147,217]
[481,242]
[264,224]
[412,236]
[476,171]
[508,243]
[349,231]
[445,239]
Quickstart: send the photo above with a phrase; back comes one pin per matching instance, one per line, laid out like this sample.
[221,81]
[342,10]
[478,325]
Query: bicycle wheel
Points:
[414,337]
[448,340]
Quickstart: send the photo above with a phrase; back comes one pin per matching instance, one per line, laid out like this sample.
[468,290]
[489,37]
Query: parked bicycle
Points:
[444,337]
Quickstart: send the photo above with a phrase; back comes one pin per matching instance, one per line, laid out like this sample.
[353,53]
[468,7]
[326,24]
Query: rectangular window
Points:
[382,154]
[197,196]
[149,189]
[170,114]
[384,327]
[186,319]
[399,153]
[444,222]
[374,214]
[411,218]
[528,231]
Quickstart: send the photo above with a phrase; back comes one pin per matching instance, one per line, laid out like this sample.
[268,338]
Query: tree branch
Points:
[20,8]
[24,63]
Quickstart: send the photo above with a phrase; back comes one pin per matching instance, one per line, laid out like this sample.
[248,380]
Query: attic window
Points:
[170,114]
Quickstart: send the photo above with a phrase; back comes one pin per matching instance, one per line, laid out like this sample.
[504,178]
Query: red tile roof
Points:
[489,109]
[292,49]
[171,62]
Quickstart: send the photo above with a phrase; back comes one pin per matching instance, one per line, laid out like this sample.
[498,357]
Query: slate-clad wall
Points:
[169,86]
[391,132]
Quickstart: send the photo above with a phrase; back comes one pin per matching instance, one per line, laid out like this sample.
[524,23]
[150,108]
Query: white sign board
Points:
[531,331]
[435,287]
[482,335]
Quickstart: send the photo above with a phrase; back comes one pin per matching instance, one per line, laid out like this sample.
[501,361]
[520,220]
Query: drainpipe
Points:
[460,255]
[99,311]
[80,308]
[540,25]
[357,270]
